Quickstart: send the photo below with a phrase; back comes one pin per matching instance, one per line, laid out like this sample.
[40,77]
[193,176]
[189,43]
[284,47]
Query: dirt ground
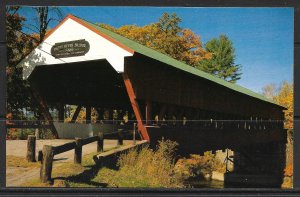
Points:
[16,176]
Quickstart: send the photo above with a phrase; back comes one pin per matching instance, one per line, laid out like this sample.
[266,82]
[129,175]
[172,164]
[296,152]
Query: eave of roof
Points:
[134,46]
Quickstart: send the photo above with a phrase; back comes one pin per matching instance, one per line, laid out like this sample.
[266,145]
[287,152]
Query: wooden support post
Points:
[135,107]
[148,112]
[88,114]
[189,116]
[196,117]
[31,143]
[170,112]
[120,116]
[100,142]
[162,112]
[78,150]
[46,167]
[44,108]
[37,133]
[179,116]
[120,136]
[100,115]
[61,112]
[110,116]
[134,128]
[76,113]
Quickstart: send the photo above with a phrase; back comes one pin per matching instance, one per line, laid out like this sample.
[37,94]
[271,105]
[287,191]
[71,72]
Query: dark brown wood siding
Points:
[155,81]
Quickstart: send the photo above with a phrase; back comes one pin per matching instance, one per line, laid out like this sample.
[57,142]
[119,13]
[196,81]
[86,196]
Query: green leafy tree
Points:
[222,63]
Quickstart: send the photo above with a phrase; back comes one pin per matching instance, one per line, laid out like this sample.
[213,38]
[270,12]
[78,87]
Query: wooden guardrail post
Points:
[120,137]
[100,142]
[31,143]
[134,128]
[78,150]
[37,133]
[46,167]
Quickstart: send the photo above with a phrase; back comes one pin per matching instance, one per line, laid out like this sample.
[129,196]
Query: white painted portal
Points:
[100,48]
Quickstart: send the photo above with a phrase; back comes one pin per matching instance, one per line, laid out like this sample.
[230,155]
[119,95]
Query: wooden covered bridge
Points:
[82,64]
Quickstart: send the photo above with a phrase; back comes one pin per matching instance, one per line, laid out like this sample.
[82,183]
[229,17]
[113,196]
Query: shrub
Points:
[199,166]
[145,168]
[19,134]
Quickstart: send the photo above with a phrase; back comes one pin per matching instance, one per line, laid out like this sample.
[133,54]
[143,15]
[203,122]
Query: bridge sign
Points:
[70,48]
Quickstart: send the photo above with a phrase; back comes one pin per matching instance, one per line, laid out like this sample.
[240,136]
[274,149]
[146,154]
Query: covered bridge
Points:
[80,63]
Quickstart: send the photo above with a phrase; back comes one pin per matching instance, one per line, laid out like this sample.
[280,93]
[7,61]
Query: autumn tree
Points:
[285,98]
[18,46]
[166,36]
[222,63]
[283,95]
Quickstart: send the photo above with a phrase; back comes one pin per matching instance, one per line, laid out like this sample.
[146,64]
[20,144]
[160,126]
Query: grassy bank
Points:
[144,168]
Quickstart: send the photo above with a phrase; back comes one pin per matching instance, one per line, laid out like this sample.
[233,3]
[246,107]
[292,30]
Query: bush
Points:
[19,134]
[146,168]
[199,166]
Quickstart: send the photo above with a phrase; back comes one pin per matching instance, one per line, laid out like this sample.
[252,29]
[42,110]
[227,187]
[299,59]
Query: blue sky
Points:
[262,37]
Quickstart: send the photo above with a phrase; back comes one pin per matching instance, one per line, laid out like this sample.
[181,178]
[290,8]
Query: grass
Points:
[14,161]
[145,168]
[69,174]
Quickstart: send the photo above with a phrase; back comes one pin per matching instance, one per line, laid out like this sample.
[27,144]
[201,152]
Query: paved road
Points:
[15,176]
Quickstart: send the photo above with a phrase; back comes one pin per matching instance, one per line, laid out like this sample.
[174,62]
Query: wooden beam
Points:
[170,113]
[76,113]
[135,107]
[100,114]
[111,116]
[44,108]
[88,114]
[61,112]
[162,112]
[179,116]
[148,112]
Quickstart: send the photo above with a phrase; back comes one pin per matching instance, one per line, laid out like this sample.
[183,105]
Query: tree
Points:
[269,91]
[166,36]
[18,46]
[44,15]
[222,63]
[283,95]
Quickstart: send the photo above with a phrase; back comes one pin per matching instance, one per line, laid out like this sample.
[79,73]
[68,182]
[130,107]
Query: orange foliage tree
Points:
[166,36]
[283,95]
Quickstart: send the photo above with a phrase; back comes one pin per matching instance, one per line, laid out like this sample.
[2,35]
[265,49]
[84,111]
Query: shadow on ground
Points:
[85,177]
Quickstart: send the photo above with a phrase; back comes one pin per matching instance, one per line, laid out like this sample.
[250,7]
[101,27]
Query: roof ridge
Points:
[182,65]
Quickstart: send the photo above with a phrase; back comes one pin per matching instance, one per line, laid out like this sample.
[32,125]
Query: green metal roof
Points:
[177,64]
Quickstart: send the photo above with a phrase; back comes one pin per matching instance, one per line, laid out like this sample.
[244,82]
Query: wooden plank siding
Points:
[157,82]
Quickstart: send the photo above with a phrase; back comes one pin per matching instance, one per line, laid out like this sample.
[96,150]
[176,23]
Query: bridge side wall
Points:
[158,82]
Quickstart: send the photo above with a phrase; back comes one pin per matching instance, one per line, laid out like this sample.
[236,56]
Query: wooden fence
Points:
[48,152]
